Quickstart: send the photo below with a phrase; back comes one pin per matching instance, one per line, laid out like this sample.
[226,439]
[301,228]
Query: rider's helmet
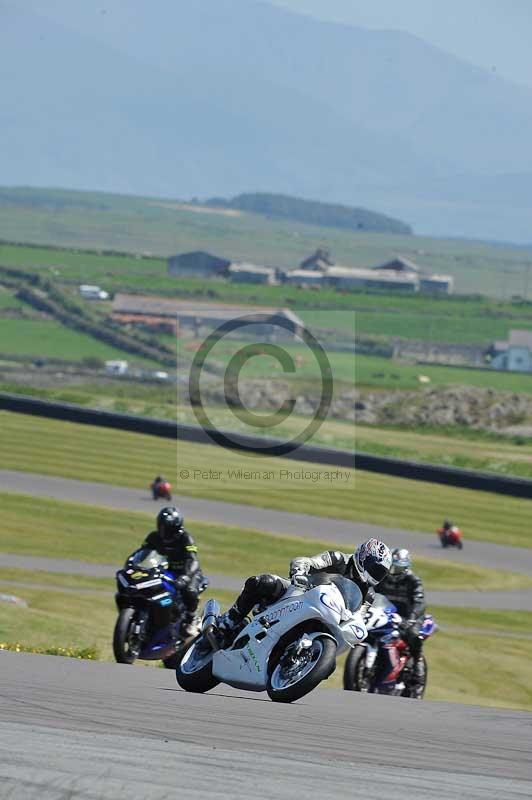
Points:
[158,479]
[170,524]
[372,560]
[447,525]
[401,563]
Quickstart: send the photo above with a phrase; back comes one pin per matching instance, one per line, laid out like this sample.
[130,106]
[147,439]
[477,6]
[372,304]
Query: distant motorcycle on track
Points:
[287,649]
[383,663]
[150,610]
[450,536]
[161,490]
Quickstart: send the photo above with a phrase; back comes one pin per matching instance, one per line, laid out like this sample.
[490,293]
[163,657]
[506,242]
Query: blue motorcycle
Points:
[150,609]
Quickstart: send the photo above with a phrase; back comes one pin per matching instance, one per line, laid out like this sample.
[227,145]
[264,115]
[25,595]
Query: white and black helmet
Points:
[372,560]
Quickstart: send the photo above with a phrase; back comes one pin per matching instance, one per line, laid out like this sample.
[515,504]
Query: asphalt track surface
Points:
[340,532]
[517,600]
[76,729]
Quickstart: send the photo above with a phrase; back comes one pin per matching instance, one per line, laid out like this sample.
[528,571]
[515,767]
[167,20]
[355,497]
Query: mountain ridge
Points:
[227,95]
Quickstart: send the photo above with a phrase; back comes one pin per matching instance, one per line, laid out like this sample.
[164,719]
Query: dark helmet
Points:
[170,524]
[372,560]
[447,525]
[158,479]
[401,562]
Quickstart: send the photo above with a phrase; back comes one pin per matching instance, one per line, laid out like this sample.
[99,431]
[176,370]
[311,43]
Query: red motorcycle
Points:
[161,490]
[450,536]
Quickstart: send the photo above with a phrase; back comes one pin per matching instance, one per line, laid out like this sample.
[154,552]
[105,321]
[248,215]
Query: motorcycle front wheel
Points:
[194,671]
[410,690]
[354,680]
[294,675]
[125,650]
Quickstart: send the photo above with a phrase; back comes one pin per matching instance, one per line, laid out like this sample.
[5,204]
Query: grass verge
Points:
[86,533]
[51,447]
[452,445]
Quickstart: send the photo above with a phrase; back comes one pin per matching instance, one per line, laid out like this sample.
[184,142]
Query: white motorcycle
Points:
[286,649]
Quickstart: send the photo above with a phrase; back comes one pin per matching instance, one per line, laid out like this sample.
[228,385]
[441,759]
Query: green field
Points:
[454,446]
[162,227]
[8,301]
[471,320]
[50,339]
[366,371]
[89,453]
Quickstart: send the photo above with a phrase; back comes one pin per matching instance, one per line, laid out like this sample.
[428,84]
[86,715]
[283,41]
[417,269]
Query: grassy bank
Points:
[97,535]
[51,447]
[453,446]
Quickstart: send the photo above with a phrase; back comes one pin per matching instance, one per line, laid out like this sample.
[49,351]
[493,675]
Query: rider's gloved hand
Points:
[182,581]
[406,628]
[300,580]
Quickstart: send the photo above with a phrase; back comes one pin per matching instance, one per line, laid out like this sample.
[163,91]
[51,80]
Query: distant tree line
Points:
[311,212]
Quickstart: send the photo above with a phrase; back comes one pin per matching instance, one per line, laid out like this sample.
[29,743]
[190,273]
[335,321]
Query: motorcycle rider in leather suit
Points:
[366,567]
[173,541]
[405,590]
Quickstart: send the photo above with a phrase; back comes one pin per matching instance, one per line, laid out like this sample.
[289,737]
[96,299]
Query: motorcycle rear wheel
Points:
[194,671]
[123,652]
[291,681]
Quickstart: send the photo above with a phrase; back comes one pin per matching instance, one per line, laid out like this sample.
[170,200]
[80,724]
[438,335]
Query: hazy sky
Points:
[496,34]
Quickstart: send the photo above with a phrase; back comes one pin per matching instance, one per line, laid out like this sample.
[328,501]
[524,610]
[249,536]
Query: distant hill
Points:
[210,97]
[311,212]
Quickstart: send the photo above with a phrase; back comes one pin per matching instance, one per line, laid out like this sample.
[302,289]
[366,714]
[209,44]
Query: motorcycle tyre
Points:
[459,544]
[323,667]
[200,681]
[351,682]
[120,635]
[407,689]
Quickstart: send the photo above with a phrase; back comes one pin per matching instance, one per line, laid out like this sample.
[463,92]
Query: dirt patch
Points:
[225,212]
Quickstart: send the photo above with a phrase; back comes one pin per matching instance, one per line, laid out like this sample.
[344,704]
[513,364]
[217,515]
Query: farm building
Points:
[198,264]
[319,261]
[515,354]
[397,265]
[427,283]
[304,277]
[251,273]
[195,318]
[348,278]
[436,284]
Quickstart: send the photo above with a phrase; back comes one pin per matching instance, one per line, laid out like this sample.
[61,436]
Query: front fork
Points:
[137,629]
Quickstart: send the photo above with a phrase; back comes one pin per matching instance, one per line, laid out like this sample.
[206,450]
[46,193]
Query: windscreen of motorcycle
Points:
[350,592]
[148,559]
[381,601]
